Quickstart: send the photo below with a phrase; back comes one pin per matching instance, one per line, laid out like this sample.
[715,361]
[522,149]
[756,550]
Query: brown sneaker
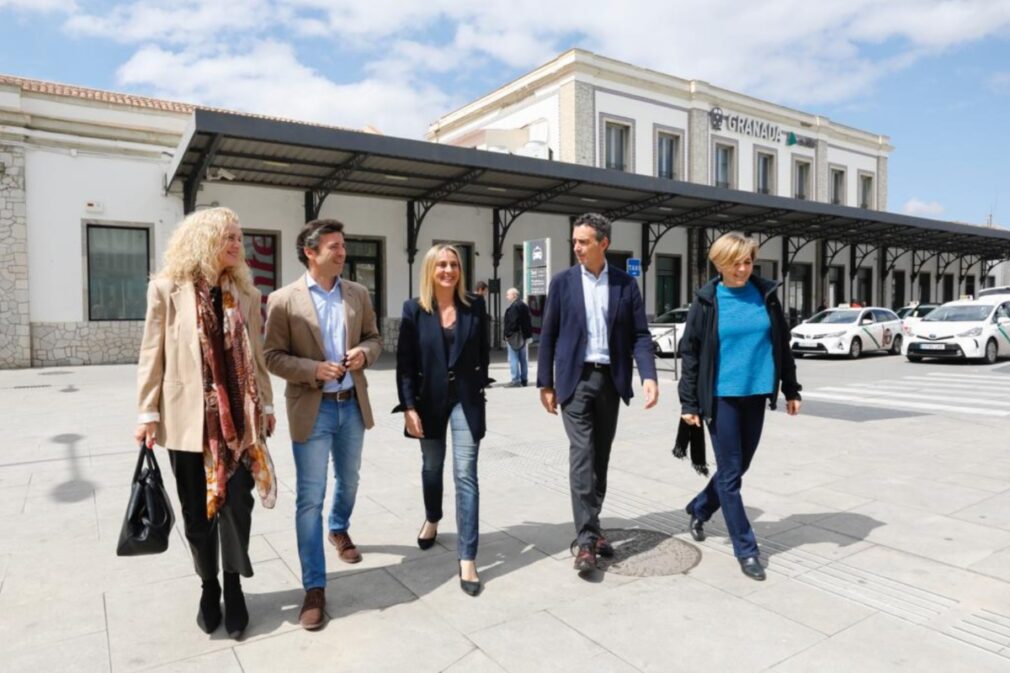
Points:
[585,560]
[604,548]
[313,613]
[346,550]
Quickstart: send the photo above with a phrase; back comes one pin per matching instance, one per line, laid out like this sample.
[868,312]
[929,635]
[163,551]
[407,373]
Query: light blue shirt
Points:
[596,292]
[746,364]
[330,312]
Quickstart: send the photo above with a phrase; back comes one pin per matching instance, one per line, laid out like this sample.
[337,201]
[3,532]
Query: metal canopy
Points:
[321,160]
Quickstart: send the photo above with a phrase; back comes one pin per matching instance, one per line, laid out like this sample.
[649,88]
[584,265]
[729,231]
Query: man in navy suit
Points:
[593,324]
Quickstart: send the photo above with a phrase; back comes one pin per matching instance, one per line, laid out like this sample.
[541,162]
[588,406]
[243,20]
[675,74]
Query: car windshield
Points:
[675,317]
[834,317]
[920,311]
[902,312]
[966,313]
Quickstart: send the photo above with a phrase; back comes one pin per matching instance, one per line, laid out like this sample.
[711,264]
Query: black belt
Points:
[595,365]
[340,395]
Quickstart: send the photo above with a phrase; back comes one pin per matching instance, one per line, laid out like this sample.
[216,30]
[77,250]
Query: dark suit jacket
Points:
[422,373]
[564,334]
[518,319]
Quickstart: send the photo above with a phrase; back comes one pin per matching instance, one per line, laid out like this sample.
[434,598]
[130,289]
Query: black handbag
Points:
[149,516]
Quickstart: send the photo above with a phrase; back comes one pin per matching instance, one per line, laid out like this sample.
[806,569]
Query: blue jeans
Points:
[735,431]
[337,434]
[464,474]
[518,364]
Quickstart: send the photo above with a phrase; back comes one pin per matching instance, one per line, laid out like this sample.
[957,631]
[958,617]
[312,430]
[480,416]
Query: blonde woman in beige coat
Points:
[204,394]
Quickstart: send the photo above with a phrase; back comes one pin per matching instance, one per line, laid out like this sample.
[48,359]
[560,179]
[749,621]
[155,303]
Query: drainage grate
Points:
[42,385]
[57,372]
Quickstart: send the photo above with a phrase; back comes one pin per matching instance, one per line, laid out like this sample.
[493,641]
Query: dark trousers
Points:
[735,431]
[590,420]
[228,531]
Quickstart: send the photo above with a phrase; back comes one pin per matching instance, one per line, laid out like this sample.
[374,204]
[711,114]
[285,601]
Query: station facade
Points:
[90,193]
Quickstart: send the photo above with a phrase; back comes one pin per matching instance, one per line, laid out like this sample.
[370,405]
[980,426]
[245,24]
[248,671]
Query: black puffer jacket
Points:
[699,349]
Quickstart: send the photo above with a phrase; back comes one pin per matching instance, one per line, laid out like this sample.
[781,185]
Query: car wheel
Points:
[914,358]
[896,345]
[855,348]
[990,352]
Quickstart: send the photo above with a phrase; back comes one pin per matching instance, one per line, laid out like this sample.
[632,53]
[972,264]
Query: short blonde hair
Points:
[731,248]
[426,296]
[195,246]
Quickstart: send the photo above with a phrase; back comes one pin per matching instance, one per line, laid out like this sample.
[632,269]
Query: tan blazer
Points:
[170,368]
[294,346]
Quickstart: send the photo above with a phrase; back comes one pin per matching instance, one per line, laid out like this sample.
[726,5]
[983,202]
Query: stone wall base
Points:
[57,344]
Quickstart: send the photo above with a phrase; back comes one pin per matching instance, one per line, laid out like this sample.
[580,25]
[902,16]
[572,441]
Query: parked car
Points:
[912,314]
[970,329]
[990,291]
[666,330]
[848,331]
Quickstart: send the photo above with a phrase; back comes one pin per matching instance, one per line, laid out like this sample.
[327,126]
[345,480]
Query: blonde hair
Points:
[195,246]
[731,248]
[426,296]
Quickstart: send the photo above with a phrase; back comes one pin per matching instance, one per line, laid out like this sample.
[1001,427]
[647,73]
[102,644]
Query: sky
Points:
[932,75]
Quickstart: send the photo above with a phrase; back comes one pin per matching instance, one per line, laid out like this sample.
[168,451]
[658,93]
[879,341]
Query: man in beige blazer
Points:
[321,333]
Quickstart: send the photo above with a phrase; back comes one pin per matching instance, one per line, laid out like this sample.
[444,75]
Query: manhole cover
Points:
[640,552]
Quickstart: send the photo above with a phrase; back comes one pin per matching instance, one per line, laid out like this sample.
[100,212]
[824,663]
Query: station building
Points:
[93,182]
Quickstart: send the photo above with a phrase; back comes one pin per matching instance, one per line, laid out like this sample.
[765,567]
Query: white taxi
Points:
[849,331]
[667,330]
[969,329]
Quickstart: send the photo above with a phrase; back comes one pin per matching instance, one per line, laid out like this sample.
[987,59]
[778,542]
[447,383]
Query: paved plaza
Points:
[883,513]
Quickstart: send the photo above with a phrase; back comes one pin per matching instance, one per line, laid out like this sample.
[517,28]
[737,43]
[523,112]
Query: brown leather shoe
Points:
[604,548]
[313,613]
[346,550]
[586,558]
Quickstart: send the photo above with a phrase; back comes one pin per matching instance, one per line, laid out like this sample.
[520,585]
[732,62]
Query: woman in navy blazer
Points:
[441,371]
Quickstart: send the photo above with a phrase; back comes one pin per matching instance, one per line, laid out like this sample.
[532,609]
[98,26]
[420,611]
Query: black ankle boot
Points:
[209,616]
[236,617]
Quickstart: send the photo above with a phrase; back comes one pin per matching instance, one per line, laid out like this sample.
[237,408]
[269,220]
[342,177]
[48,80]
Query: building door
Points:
[924,287]
[800,292]
[667,283]
[969,285]
[836,286]
[897,289]
[364,265]
[864,286]
[618,259]
[948,287]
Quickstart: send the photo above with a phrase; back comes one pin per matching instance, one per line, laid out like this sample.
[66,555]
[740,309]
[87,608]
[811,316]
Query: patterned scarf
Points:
[234,424]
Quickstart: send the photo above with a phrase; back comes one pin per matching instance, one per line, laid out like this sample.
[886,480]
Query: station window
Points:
[667,156]
[866,191]
[725,166]
[617,146]
[801,173]
[838,186]
[667,283]
[764,172]
[364,265]
[119,262]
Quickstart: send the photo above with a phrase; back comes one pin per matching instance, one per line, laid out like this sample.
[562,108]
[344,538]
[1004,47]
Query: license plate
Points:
[932,347]
[806,344]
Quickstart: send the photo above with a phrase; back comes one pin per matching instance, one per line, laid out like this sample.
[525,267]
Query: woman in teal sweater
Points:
[736,357]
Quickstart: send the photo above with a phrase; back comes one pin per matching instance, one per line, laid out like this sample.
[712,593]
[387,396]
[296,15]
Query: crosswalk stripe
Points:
[970,377]
[913,396]
[885,402]
[951,382]
[940,388]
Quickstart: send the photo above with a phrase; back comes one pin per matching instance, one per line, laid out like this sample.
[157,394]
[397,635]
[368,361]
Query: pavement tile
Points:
[882,644]
[82,654]
[814,541]
[41,623]
[651,624]
[409,637]
[549,646]
[475,662]
[993,511]
[811,607]
[902,489]
[222,661]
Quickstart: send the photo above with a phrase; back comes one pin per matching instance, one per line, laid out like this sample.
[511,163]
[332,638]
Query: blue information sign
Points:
[634,267]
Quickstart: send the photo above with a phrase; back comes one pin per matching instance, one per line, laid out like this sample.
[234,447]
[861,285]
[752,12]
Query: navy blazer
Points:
[422,373]
[563,334]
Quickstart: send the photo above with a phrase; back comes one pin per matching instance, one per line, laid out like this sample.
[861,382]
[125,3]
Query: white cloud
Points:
[268,79]
[922,208]
[790,51]
[40,5]
[1000,82]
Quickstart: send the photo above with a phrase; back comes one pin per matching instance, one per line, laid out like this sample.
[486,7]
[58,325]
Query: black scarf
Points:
[694,436]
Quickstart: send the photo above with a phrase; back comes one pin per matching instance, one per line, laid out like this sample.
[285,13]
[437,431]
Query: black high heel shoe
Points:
[469,587]
[426,542]
[236,616]
[209,616]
